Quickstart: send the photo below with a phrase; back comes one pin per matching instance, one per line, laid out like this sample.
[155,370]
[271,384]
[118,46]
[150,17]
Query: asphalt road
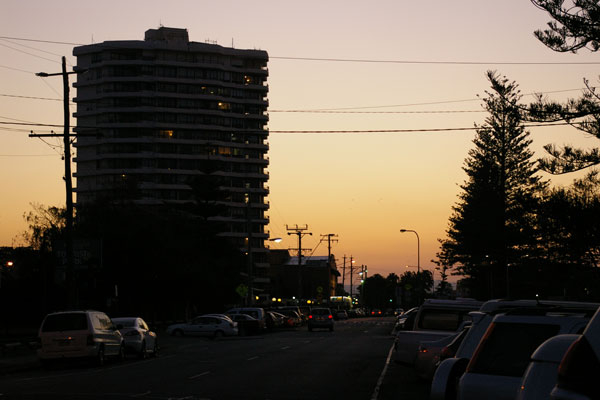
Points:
[350,363]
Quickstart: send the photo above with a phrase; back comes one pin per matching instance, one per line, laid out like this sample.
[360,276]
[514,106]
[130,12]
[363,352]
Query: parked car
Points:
[501,358]
[274,320]
[435,319]
[579,368]
[406,320]
[255,312]
[320,318]
[298,310]
[247,325]
[447,375]
[292,318]
[205,325]
[540,376]
[431,352]
[79,334]
[137,337]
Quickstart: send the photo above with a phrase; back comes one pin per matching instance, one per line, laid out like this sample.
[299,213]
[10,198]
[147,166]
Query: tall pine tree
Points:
[491,222]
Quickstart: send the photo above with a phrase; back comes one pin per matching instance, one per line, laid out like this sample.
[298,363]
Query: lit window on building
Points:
[224,106]
[225,151]
[166,133]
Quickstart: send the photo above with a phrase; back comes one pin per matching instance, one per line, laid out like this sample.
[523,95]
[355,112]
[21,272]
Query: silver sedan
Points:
[138,338]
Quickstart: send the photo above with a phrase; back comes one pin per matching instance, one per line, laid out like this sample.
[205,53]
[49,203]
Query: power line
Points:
[17,69]
[377,112]
[27,155]
[411,130]
[30,54]
[335,131]
[29,97]
[373,61]
[426,103]
[33,48]
[41,41]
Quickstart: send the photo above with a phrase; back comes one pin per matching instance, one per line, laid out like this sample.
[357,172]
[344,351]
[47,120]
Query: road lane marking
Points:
[285,347]
[380,380]
[199,375]
[252,358]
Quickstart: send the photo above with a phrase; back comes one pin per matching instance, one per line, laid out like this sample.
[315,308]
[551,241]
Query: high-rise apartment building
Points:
[154,114]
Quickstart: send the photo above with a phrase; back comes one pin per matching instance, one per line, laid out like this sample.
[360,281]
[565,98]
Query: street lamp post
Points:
[418,248]
[71,289]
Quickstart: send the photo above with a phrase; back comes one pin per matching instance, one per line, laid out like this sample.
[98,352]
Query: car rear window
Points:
[508,346]
[65,322]
[320,311]
[441,320]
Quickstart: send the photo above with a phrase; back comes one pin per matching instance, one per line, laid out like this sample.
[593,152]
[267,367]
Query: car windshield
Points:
[65,322]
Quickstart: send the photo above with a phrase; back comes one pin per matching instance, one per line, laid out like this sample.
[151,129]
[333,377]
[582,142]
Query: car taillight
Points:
[422,349]
[330,316]
[90,340]
[579,369]
[310,317]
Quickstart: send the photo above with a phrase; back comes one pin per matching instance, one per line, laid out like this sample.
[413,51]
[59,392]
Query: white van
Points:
[79,334]
[255,312]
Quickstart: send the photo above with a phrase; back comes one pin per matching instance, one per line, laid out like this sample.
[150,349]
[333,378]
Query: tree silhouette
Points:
[492,221]
[574,27]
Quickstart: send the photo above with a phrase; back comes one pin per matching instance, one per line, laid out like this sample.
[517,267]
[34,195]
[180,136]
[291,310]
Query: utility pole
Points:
[344,275]
[351,272]
[300,232]
[330,238]
[70,281]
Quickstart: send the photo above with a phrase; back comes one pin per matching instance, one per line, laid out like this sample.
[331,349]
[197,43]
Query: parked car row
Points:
[93,335]
[515,349]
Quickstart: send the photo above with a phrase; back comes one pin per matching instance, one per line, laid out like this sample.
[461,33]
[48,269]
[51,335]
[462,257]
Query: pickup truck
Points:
[436,319]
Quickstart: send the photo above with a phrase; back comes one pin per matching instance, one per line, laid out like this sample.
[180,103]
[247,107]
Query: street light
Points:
[418,248]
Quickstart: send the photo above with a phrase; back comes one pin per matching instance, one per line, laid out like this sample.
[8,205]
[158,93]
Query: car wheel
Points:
[143,352]
[310,328]
[331,329]
[100,359]
[218,335]
[155,349]
[47,364]
[121,355]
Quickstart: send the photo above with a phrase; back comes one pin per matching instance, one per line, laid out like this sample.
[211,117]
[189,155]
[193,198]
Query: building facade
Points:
[316,275]
[153,115]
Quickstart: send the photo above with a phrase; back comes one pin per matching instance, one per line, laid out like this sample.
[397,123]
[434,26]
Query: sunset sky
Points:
[364,187]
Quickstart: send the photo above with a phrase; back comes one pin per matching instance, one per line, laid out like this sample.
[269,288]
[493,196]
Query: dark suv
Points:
[320,318]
